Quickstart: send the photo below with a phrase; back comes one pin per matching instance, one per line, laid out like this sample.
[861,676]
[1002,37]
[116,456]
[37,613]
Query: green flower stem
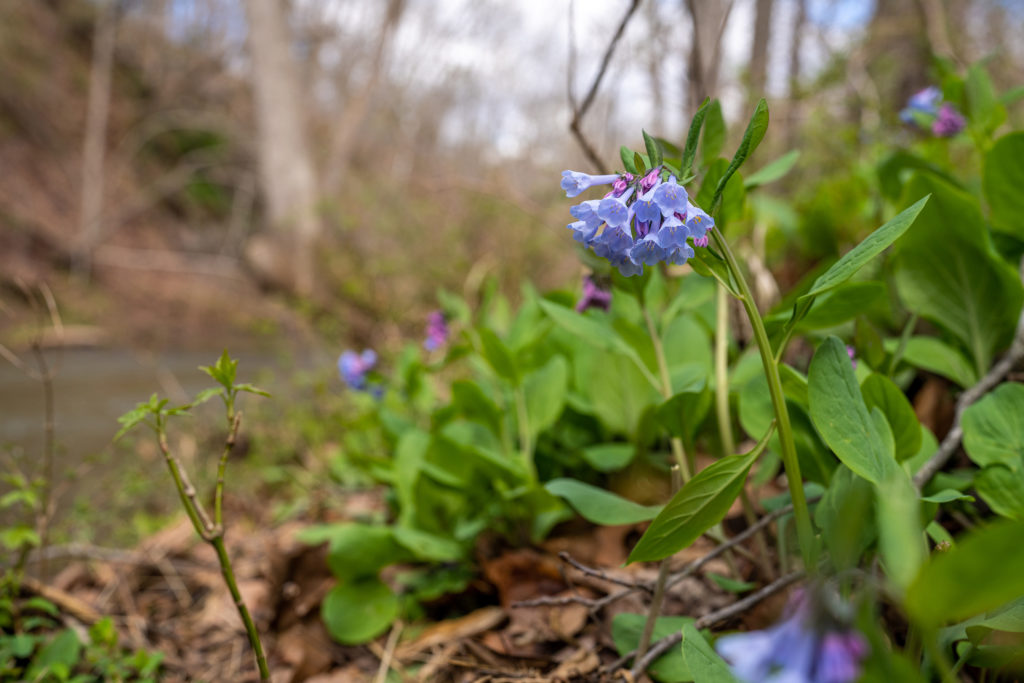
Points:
[683,459]
[250,627]
[805,532]
[229,445]
[725,421]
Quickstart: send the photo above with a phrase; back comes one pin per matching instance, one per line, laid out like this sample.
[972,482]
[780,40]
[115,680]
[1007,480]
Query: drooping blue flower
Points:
[584,232]
[437,331]
[671,197]
[925,101]
[575,182]
[353,367]
[673,232]
[647,251]
[804,647]
[645,207]
[615,211]
[593,296]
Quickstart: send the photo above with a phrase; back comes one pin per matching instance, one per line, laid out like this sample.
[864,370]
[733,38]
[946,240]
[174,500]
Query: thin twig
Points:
[952,440]
[580,111]
[600,573]
[388,654]
[711,619]
[229,445]
[654,611]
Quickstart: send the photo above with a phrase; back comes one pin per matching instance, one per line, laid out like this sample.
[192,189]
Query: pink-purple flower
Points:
[593,296]
[926,109]
[354,367]
[808,646]
[437,331]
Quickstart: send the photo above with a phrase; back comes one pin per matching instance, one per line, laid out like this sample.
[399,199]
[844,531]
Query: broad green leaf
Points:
[1002,489]
[410,453]
[893,168]
[62,652]
[690,150]
[947,496]
[470,401]
[714,133]
[880,391]
[357,550]
[843,303]
[994,428]
[984,110]
[704,663]
[687,342]
[752,137]
[619,393]
[846,517]
[700,504]
[842,418]
[600,506]
[934,355]
[653,150]
[730,585]
[357,611]
[946,271]
[988,561]
[900,534]
[1003,177]
[682,414]
[872,245]
[670,667]
[545,390]
[707,263]
[772,171]
[589,331]
[498,356]
[427,546]
[609,457]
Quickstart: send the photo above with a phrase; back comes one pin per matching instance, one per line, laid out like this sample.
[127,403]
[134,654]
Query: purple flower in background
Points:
[593,297]
[852,353]
[948,122]
[354,367]
[437,331]
[574,182]
[799,649]
[642,221]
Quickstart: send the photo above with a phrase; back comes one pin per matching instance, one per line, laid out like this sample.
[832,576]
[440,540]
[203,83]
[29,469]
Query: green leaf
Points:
[586,329]
[619,393]
[1002,489]
[498,356]
[670,667]
[1002,178]
[846,517]
[730,585]
[714,133]
[134,417]
[626,154]
[545,390]
[357,611]
[984,110]
[934,355]
[841,416]
[946,271]
[609,457]
[690,150]
[358,550]
[900,537]
[638,163]
[980,572]
[947,496]
[704,663]
[880,391]
[654,152]
[61,652]
[427,546]
[752,137]
[994,428]
[250,389]
[205,395]
[843,303]
[699,505]
[772,171]
[872,245]
[599,506]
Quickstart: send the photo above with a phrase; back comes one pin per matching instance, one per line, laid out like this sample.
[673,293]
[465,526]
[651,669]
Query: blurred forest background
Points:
[201,173]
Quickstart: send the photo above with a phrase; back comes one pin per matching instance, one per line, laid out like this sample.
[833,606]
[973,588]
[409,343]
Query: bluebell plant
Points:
[437,331]
[642,220]
[354,367]
[926,109]
[594,296]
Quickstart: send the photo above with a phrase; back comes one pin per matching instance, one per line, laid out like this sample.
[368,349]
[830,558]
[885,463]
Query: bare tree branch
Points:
[580,111]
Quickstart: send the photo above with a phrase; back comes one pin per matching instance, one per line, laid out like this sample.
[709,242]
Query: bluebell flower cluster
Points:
[926,109]
[799,649]
[354,368]
[437,331]
[640,222]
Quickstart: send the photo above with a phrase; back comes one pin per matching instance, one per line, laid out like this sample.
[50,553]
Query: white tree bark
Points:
[287,178]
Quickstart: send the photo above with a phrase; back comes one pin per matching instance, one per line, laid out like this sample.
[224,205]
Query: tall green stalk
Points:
[804,530]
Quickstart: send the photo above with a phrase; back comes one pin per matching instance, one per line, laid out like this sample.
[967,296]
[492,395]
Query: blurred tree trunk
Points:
[95,142]
[709,20]
[795,93]
[287,178]
[358,105]
[758,67]
[896,51]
